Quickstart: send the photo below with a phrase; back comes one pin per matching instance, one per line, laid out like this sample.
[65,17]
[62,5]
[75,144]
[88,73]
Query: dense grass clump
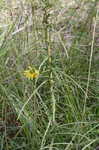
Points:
[49,75]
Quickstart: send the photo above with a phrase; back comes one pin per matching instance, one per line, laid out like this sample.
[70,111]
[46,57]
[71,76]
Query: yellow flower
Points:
[31,73]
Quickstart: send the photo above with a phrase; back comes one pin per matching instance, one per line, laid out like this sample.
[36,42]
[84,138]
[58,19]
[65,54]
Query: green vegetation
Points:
[59,108]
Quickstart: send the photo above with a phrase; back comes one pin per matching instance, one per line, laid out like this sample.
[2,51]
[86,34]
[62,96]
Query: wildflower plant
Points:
[31,73]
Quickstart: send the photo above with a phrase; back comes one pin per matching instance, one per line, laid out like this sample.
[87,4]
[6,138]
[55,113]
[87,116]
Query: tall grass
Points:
[59,109]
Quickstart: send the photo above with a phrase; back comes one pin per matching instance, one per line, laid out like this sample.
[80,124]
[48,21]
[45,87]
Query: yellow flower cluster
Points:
[31,73]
